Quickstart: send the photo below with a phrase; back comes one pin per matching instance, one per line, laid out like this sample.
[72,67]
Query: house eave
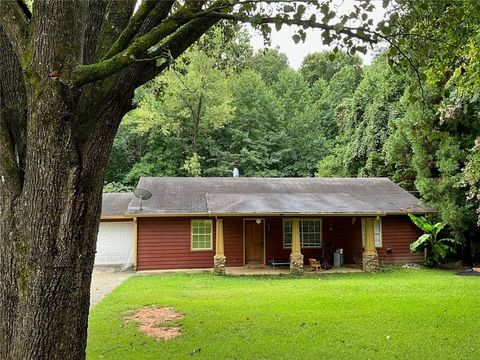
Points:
[117,217]
[254,214]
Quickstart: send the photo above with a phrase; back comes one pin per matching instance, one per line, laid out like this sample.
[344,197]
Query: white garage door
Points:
[115,244]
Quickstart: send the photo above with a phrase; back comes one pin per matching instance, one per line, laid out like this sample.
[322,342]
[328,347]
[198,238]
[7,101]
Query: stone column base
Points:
[219,265]
[370,263]
[296,264]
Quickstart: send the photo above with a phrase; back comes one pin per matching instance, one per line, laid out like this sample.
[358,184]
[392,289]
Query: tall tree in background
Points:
[197,101]
[418,121]
[364,119]
[69,71]
[443,122]
[269,63]
[324,65]
[256,135]
[155,139]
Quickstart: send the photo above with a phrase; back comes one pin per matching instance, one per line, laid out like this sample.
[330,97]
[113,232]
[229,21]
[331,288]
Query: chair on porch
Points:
[315,264]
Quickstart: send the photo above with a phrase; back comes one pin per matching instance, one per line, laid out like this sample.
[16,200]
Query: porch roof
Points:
[276,196]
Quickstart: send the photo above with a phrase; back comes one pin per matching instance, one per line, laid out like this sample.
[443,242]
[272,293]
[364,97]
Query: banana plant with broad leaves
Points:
[436,248]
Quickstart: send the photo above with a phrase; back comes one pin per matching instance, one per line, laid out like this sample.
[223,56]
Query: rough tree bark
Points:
[55,141]
[67,77]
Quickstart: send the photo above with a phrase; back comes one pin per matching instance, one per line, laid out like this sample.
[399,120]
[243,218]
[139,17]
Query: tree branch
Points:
[13,117]
[176,45]
[131,29]
[409,60]
[349,31]
[156,16]
[9,175]
[25,9]
[88,73]
[93,26]
[15,23]
[115,20]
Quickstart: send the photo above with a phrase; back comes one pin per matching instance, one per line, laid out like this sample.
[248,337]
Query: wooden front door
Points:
[253,242]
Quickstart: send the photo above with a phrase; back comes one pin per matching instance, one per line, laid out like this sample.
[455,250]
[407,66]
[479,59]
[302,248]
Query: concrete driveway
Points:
[104,280]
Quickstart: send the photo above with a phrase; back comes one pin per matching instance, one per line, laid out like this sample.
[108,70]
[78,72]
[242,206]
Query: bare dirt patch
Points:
[153,320]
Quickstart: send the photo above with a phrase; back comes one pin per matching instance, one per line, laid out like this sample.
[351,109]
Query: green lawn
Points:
[397,314]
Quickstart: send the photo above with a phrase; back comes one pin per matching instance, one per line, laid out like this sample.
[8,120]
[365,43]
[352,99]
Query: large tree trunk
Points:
[51,194]
[53,160]
[49,228]
[48,234]
[55,138]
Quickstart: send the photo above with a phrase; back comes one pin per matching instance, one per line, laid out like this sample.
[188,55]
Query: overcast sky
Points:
[296,52]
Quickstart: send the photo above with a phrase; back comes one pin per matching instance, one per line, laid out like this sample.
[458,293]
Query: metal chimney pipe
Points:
[236,171]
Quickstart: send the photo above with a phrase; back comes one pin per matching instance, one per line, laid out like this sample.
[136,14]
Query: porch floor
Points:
[267,270]
[259,270]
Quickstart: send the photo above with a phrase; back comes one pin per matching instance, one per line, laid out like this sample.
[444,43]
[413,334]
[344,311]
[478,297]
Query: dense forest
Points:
[412,117]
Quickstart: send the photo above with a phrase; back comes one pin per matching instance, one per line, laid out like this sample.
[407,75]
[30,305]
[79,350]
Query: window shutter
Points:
[377,229]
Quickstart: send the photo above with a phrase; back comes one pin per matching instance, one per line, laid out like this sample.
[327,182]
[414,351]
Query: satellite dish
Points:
[142,194]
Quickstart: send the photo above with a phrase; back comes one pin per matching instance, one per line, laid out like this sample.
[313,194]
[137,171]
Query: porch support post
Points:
[219,259]
[370,256]
[296,257]
[135,243]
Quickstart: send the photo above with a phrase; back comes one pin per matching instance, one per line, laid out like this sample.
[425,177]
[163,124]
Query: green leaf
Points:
[419,221]
[313,19]
[364,17]
[278,24]
[338,27]
[449,241]
[152,49]
[427,227]
[438,227]
[439,251]
[296,38]
[331,56]
[324,9]
[160,61]
[303,35]
[421,243]
[288,8]
[362,49]
[301,9]
[385,3]
[326,38]
[256,19]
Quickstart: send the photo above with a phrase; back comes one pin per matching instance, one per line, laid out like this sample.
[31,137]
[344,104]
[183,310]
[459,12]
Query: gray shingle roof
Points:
[274,196]
[115,204]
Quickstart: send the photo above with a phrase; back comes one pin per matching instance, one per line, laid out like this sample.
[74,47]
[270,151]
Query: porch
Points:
[285,270]
[293,242]
[259,270]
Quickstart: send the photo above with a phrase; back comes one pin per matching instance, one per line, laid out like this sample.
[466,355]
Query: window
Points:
[201,234]
[377,232]
[287,233]
[310,233]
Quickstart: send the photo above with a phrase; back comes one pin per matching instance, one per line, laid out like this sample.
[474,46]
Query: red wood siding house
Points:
[257,220]
[164,243]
